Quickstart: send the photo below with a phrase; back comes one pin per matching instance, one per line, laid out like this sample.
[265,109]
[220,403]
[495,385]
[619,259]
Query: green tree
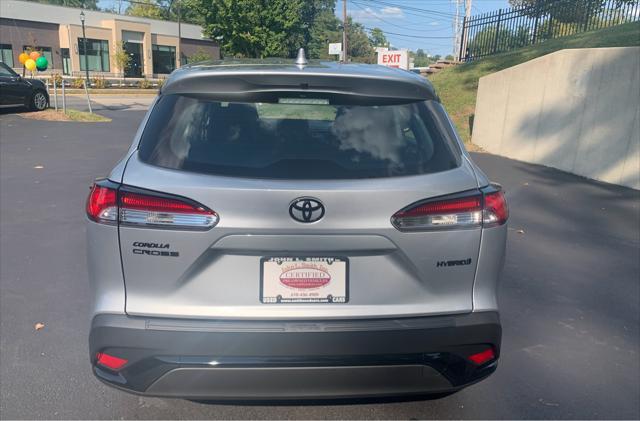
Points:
[565,11]
[358,45]
[121,57]
[148,9]
[377,38]
[87,4]
[324,28]
[200,55]
[255,28]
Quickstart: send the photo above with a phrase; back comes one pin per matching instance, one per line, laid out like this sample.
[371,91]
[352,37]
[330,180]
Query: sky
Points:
[411,24]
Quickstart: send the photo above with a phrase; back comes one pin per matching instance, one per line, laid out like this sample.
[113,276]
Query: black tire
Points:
[39,101]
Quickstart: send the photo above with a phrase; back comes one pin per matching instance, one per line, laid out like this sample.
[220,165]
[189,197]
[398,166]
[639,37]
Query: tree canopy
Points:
[277,28]
[377,38]
[87,4]
[565,11]
[148,9]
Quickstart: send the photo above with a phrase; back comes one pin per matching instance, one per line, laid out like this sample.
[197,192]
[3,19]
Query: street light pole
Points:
[84,42]
[344,31]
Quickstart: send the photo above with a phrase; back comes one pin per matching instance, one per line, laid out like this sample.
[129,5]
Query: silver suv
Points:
[283,230]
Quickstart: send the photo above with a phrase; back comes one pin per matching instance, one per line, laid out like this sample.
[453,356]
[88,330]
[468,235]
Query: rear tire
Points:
[39,101]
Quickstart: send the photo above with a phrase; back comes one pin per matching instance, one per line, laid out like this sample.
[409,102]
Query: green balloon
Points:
[42,63]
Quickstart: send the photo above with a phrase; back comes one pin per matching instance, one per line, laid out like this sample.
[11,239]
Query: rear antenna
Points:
[301,60]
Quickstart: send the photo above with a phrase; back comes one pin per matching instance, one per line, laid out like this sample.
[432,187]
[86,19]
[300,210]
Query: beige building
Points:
[153,45]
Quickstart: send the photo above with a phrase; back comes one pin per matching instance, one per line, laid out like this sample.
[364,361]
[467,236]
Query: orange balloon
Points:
[23,57]
[34,55]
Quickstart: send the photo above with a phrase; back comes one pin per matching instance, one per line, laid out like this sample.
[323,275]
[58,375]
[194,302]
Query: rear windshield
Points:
[298,138]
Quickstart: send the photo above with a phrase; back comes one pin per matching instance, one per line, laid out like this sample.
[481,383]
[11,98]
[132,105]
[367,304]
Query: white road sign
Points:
[335,48]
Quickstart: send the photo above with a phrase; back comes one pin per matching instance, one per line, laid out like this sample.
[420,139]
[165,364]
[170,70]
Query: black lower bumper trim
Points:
[293,359]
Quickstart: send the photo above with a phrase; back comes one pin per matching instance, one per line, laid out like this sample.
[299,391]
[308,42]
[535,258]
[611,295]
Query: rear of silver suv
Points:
[283,231]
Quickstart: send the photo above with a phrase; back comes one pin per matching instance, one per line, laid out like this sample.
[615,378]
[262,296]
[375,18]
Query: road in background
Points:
[569,294]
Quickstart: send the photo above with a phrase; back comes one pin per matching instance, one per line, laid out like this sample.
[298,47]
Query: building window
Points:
[164,58]
[45,51]
[6,54]
[97,54]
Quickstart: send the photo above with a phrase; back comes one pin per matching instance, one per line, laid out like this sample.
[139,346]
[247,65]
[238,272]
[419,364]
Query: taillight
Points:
[458,212]
[496,211]
[110,203]
[486,207]
[102,204]
[149,210]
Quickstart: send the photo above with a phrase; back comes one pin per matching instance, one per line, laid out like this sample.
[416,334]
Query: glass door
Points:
[66,61]
[136,64]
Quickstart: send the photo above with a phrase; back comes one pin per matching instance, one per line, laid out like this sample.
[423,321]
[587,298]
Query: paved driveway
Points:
[570,293]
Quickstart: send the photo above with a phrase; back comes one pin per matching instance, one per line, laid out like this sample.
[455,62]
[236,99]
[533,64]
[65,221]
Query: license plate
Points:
[304,280]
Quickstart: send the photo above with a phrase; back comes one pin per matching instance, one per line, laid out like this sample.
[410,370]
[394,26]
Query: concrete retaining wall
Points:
[575,110]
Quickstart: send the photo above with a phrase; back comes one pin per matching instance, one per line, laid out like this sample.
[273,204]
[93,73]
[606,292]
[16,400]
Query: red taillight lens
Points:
[110,203]
[157,211]
[467,204]
[158,204]
[110,361]
[496,211]
[102,204]
[459,212]
[483,357]
[486,207]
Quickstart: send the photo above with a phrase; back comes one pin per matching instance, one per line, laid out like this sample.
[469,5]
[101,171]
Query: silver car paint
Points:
[392,273]
[216,275]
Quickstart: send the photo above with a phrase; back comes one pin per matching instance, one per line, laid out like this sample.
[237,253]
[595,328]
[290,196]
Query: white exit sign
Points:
[398,59]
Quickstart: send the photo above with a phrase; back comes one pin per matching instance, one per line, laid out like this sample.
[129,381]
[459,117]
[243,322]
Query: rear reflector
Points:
[483,357]
[109,203]
[486,207]
[109,361]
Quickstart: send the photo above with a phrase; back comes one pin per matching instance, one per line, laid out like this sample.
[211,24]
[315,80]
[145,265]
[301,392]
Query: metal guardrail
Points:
[507,29]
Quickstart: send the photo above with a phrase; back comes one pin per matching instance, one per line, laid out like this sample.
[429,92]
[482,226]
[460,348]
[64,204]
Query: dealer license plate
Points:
[304,280]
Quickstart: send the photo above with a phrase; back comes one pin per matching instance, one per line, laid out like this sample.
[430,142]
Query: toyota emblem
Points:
[306,209]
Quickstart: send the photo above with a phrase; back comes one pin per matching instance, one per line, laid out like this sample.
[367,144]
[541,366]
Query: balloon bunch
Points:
[33,60]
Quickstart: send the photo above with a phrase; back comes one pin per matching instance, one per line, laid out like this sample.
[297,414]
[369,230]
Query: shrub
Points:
[145,84]
[77,83]
[56,78]
[100,83]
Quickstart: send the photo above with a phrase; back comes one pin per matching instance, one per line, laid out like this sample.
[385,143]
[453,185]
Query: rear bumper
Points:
[294,359]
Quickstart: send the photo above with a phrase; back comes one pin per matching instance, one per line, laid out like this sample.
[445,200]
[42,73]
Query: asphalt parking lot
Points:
[570,293]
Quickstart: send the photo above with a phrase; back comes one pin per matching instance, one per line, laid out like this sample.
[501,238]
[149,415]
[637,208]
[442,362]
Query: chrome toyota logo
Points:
[306,209]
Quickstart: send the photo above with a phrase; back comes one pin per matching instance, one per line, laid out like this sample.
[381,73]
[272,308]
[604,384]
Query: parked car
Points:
[17,91]
[283,230]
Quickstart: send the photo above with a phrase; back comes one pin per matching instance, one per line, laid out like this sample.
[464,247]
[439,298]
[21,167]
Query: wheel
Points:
[39,101]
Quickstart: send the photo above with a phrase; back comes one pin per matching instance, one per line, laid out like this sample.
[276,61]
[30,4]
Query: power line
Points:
[407,35]
[412,9]
[360,6]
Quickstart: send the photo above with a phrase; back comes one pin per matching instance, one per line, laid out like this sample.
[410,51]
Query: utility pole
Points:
[456,27]
[464,36]
[344,31]
[464,33]
[179,36]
